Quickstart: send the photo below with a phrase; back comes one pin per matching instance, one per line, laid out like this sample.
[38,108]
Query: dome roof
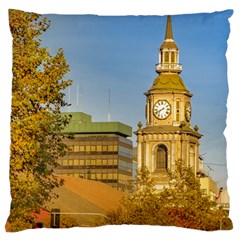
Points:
[168,81]
[168,44]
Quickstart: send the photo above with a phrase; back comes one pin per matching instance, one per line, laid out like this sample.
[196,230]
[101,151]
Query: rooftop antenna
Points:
[109,106]
[210,170]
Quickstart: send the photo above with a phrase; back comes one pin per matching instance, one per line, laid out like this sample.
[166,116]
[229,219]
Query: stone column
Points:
[173,153]
[147,155]
[196,167]
[187,153]
[139,149]
[148,111]
[139,146]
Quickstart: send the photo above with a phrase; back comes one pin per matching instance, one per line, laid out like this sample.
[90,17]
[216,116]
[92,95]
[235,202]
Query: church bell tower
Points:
[168,135]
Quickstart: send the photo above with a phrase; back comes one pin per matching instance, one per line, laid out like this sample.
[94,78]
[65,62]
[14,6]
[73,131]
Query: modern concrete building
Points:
[99,151]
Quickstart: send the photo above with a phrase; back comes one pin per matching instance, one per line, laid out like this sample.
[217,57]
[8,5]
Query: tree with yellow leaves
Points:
[38,86]
[181,204]
[187,206]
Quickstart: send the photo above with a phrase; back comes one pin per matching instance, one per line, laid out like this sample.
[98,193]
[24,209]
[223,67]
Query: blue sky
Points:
[120,53]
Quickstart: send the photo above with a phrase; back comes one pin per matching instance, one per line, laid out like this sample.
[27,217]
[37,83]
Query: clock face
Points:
[161,109]
[188,111]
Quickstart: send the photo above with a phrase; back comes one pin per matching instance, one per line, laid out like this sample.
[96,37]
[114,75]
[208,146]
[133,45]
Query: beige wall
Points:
[209,187]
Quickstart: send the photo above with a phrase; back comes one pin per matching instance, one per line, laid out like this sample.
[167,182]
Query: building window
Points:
[104,176]
[88,149]
[65,162]
[99,148]
[104,162]
[204,191]
[104,148]
[98,176]
[76,162]
[99,162]
[110,148]
[166,57]
[93,148]
[192,156]
[92,176]
[70,148]
[81,162]
[81,148]
[177,110]
[93,162]
[172,57]
[76,148]
[161,157]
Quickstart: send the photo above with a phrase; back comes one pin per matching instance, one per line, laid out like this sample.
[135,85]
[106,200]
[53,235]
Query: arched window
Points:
[161,157]
[166,57]
[192,156]
[172,57]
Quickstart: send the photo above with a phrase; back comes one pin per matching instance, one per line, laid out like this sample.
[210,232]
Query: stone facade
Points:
[168,135]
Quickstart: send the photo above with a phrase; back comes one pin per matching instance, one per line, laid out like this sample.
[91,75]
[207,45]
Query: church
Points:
[168,135]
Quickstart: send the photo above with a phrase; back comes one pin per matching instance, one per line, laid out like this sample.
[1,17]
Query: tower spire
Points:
[168,53]
[169,34]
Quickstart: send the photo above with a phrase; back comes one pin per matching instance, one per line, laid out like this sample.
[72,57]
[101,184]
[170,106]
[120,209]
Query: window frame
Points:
[161,162]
